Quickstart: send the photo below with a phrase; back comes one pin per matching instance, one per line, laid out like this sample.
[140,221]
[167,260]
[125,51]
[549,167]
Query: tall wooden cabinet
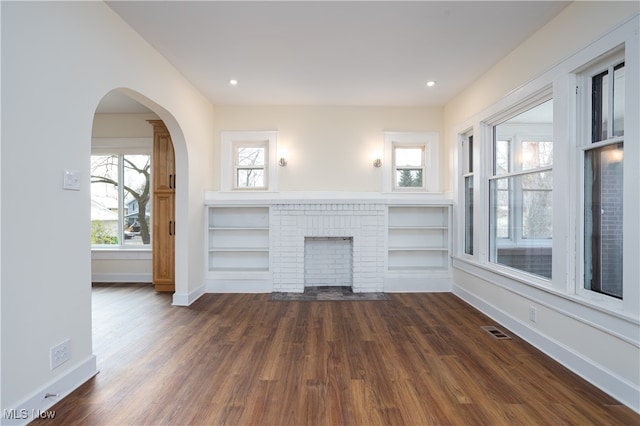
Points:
[163,208]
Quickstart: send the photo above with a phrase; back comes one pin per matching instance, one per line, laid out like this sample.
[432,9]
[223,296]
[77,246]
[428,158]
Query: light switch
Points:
[71,180]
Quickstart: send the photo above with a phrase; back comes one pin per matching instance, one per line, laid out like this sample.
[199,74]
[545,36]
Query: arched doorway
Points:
[128,135]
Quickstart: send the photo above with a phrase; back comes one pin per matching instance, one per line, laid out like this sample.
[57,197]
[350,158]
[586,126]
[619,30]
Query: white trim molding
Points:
[186,299]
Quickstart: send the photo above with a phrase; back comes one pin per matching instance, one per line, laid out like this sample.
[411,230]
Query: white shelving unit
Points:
[254,242]
[419,238]
[238,239]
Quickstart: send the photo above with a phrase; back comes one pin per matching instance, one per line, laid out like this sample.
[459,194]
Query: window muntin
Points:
[603,184]
[409,166]
[120,200]
[520,191]
[250,165]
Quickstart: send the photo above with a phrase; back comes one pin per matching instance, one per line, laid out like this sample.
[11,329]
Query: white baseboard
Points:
[222,285]
[37,405]
[186,299]
[393,283]
[618,387]
[122,278]
[417,282]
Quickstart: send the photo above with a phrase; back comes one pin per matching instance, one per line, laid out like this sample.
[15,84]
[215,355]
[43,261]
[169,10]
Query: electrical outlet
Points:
[60,353]
[533,314]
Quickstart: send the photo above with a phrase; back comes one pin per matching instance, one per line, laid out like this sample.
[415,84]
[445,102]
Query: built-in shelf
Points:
[401,243]
[238,238]
[418,238]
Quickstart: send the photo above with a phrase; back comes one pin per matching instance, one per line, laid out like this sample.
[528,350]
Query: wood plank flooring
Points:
[240,359]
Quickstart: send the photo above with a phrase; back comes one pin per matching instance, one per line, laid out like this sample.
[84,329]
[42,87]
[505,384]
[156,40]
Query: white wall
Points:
[597,342]
[123,125]
[58,61]
[121,266]
[328,148]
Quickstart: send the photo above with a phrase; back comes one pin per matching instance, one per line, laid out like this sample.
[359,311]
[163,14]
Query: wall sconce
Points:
[377,162]
[282,161]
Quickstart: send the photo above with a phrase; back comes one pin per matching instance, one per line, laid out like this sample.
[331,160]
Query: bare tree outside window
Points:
[106,174]
[250,166]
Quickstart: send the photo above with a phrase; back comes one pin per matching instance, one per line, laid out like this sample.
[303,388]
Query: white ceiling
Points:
[334,52]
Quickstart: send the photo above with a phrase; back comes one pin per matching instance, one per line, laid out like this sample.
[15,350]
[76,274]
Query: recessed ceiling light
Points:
[431,83]
[233,82]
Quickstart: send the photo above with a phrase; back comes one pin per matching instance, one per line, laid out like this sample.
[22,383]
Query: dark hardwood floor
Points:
[240,359]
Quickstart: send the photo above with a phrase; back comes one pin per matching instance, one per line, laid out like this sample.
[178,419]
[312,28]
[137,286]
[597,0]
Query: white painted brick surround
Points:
[291,223]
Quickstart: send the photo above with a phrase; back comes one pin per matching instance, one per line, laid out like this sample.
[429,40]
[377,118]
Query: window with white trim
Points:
[603,176]
[414,164]
[249,161]
[520,190]
[574,231]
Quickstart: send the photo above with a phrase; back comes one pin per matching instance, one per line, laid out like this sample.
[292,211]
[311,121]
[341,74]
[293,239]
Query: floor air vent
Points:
[495,332]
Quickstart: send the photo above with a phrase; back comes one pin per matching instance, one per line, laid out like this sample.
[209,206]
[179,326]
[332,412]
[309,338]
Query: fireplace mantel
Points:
[322,197]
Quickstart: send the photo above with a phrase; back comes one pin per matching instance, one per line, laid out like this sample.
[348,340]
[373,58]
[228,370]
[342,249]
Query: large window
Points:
[550,174]
[603,181]
[120,200]
[521,191]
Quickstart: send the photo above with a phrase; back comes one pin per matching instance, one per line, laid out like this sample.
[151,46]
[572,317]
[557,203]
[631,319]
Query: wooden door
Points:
[163,210]
[163,242]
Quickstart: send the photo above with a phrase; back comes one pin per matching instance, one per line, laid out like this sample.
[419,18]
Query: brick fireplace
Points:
[361,224]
